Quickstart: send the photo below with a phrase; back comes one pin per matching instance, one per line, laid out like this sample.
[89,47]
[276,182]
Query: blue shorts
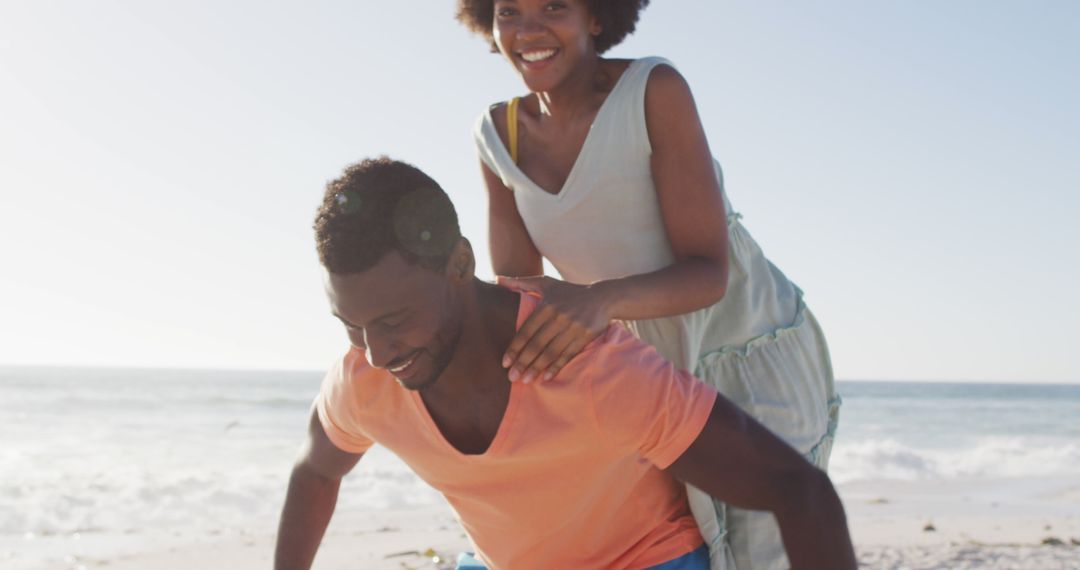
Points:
[696,560]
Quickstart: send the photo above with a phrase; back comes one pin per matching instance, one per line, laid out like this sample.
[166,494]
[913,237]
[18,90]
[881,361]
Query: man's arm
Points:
[312,495]
[739,461]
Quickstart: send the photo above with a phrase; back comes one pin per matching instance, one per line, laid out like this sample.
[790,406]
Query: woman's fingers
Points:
[532,284]
[531,339]
[569,340]
[557,330]
[540,366]
[523,335]
[572,349]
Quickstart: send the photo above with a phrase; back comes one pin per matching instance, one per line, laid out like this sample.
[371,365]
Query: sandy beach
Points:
[895,525]
[965,524]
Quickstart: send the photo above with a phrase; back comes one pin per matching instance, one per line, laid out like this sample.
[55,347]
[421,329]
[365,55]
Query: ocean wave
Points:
[101,403]
[111,494]
[993,457]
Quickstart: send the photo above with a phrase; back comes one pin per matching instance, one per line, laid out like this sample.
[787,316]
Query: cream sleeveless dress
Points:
[759,346]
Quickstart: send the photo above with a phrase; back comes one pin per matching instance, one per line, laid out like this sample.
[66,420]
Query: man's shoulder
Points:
[354,381]
[612,357]
[616,353]
[348,402]
[616,334]
[356,367]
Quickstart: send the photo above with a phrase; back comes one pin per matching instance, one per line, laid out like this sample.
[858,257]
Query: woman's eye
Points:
[555,6]
[505,12]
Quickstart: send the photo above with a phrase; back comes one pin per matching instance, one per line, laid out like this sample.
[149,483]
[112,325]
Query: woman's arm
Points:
[512,250]
[695,221]
[692,207]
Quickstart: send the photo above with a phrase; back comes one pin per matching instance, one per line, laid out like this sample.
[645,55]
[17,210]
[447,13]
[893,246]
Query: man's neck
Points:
[488,325]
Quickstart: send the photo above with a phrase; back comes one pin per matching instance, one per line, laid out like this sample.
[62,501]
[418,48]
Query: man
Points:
[578,472]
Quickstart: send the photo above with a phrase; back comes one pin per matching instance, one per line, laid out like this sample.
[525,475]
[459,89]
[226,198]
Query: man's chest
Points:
[475,442]
[469,425]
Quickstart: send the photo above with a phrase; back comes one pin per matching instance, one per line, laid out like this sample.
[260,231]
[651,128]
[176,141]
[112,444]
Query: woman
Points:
[604,169]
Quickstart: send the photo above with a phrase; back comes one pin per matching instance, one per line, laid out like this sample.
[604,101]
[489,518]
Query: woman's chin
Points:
[537,82]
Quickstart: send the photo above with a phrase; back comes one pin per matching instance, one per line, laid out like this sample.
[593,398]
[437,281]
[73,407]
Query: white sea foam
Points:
[992,458]
[92,451]
[107,451]
[105,496]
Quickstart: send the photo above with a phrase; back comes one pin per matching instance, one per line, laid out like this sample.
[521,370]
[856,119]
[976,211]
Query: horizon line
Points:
[280,370]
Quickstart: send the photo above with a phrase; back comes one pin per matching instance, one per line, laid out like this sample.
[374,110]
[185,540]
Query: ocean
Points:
[119,451]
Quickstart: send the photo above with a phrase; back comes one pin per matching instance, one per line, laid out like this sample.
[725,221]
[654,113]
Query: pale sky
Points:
[914,166]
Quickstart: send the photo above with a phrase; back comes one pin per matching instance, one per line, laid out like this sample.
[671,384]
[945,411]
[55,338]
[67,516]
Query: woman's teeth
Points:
[537,55]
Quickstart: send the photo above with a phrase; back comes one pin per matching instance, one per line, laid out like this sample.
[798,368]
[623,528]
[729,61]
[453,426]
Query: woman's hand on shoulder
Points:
[568,319]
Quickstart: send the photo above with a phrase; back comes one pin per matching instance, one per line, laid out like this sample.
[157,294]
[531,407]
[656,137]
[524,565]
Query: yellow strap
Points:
[512,126]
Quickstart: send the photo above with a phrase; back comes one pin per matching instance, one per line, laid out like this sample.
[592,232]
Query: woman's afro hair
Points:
[617,19]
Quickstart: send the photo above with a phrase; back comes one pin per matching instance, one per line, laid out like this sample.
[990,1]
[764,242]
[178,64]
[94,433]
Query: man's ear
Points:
[462,264]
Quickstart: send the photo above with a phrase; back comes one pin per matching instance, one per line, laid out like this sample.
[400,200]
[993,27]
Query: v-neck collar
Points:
[581,153]
[500,433]
[525,302]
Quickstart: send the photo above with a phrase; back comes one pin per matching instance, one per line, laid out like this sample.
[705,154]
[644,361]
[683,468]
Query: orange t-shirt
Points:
[572,478]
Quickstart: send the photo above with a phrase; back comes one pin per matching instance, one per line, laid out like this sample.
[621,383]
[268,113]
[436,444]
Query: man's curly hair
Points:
[381,205]
[617,18]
